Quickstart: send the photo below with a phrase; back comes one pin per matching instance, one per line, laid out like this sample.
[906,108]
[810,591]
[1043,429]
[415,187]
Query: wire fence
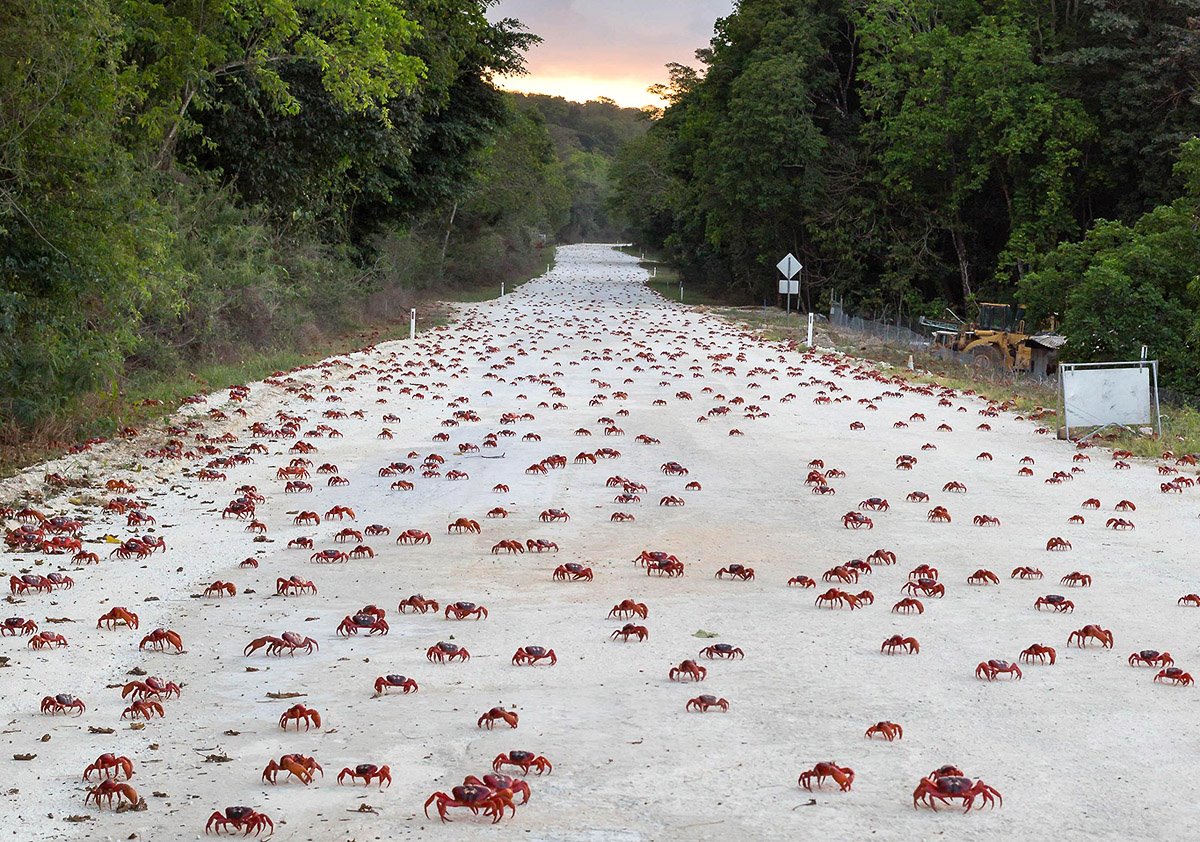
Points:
[910,336]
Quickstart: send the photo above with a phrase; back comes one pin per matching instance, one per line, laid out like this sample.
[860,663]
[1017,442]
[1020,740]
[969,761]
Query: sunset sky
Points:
[612,48]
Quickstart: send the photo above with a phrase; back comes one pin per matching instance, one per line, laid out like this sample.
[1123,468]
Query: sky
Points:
[612,48]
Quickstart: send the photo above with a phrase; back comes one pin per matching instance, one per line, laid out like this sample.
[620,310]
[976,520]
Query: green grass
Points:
[103,414]
[1181,424]
[471,295]
[666,280]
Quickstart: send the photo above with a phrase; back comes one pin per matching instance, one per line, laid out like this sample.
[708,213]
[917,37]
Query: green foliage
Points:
[963,118]
[916,154]
[185,184]
[1124,286]
[179,52]
[81,244]
[587,137]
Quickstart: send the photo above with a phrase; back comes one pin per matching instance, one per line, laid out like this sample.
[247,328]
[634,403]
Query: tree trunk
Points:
[446,239]
[166,152]
[964,266]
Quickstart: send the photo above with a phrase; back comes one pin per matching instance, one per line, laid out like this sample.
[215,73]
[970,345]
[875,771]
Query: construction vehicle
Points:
[997,340]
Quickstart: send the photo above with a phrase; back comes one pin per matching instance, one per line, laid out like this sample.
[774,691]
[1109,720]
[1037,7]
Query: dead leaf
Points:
[285,695]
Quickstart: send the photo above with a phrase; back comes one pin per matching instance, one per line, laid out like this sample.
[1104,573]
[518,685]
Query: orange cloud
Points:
[629,92]
[612,48]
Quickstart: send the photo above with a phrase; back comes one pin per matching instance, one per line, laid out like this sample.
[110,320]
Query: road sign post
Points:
[789,266]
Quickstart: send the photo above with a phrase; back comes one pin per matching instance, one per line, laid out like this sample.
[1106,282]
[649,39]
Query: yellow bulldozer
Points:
[997,341]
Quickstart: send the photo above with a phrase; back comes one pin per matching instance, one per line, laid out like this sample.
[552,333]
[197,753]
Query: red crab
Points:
[298,714]
[629,608]
[299,766]
[1059,604]
[239,818]
[475,798]
[17,626]
[722,650]
[367,771]
[574,572]
[399,681]
[856,520]
[1042,653]
[945,787]
[441,652]
[687,668]
[62,703]
[908,605]
[112,790]
[1091,632]
[524,760]
[991,669]
[110,766]
[1151,658]
[46,639]
[630,630]
[926,586]
[532,654]
[704,702]
[462,610]
[888,730]
[490,717]
[983,577]
[418,604]
[905,644]
[736,571]
[842,776]
[1174,675]
[370,622]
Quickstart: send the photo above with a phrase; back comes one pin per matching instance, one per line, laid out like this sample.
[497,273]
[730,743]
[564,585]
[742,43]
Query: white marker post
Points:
[412,323]
[811,319]
[502,289]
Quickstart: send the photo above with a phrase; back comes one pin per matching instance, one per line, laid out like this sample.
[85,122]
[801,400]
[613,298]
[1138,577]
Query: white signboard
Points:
[789,287]
[789,266]
[1109,393]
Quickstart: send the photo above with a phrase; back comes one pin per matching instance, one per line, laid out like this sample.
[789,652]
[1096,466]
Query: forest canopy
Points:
[918,154]
[186,182]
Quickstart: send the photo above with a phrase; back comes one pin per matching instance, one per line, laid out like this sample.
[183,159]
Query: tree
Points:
[180,52]
[967,130]
[81,242]
[1124,286]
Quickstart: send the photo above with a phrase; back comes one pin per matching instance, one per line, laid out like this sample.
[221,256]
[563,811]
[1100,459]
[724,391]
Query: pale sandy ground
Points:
[1087,748]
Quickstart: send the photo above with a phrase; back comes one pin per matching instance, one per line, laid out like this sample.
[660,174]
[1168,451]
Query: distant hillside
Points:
[587,137]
